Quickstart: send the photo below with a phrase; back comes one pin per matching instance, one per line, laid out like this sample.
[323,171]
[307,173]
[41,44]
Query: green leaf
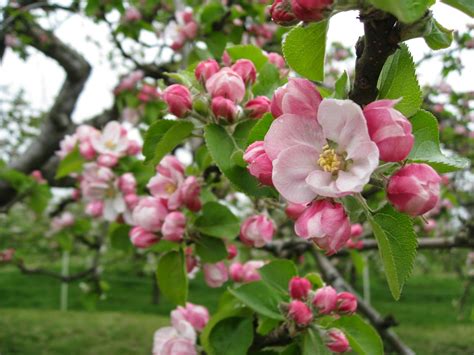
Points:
[39,197]
[268,81]
[278,274]
[398,80]
[216,42]
[439,37]
[250,52]
[217,221]
[358,261]
[363,339]
[202,157]
[185,77]
[304,49]
[221,146]
[162,137]
[427,149]
[466,6]
[313,344]
[210,250]
[342,87]
[397,245]
[211,13]
[242,131]
[231,336]
[261,298]
[266,325]
[407,11]
[315,278]
[259,131]
[118,234]
[172,278]
[71,163]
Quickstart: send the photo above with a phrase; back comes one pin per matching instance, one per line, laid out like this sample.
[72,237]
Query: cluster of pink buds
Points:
[159,216]
[129,82]
[256,231]
[132,14]
[181,338]
[246,272]
[306,305]
[290,12]
[183,29]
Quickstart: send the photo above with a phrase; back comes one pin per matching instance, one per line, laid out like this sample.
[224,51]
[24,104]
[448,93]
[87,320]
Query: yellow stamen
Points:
[110,144]
[329,160]
[170,188]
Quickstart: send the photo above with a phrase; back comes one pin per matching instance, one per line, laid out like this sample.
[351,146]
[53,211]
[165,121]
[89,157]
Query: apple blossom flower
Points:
[148,93]
[250,270]
[64,220]
[95,208]
[150,213]
[389,129]
[224,109]
[132,14]
[246,69]
[326,223]
[134,147]
[231,251]
[294,210]
[142,238]
[346,303]
[277,60]
[174,226]
[414,189]
[67,145]
[430,225]
[298,97]
[336,341]
[107,160]
[325,299]
[216,274]
[178,98]
[257,230]
[205,69]
[127,183]
[179,339]
[282,14]
[330,156]
[258,106]
[129,82]
[259,165]
[112,140]
[226,83]
[236,272]
[190,191]
[196,315]
[310,10]
[6,255]
[299,287]
[300,313]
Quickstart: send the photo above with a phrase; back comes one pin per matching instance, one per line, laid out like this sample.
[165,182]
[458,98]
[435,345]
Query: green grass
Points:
[124,322]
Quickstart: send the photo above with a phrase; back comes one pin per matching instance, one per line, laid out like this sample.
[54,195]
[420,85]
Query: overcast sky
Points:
[41,77]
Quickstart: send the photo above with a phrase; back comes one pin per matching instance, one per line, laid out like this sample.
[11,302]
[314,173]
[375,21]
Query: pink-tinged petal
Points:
[347,181]
[323,183]
[290,171]
[290,130]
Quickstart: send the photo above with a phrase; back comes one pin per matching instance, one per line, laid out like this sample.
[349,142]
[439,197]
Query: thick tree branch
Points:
[380,40]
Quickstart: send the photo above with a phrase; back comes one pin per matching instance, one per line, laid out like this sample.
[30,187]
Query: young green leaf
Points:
[218,221]
[278,274]
[210,250]
[427,148]
[216,42]
[363,339]
[397,245]
[268,81]
[313,344]
[241,132]
[398,80]
[304,49]
[439,36]
[172,278]
[231,336]
[466,6]
[162,137]
[407,11]
[118,235]
[342,87]
[259,131]
[71,163]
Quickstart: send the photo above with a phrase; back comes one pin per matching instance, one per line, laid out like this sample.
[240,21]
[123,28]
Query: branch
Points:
[380,40]
[332,276]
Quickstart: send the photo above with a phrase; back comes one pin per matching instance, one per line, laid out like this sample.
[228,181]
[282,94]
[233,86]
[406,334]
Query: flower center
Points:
[170,188]
[329,160]
[110,144]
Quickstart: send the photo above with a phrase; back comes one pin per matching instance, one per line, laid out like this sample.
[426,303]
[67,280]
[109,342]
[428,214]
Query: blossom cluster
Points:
[290,12]
[181,337]
[306,305]
[319,150]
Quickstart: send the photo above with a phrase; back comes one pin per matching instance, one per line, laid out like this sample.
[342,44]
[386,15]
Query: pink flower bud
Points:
[38,176]
[215,275]
[174,226]
[224,109]
[76,194]
[107,160]
[190,30]
[346,303]
[299,97]
[66,219]
[356,230]
[6,255]
[226,59]
[277,60]
[258,107]
[299,288]
[226,83]
[196,315]
[190,193]
[389,129]
[336,341]
[326,223]
[134,147]
[246,69]
[179,346]
[95,208]
[414,189]
[250,270]
[310,10]
[430,225]
[325,299]
[260,164]
[131,200]
[300,313]
[142,238]
[127,183]
[87,150]
[150,213]
[236,271]
[256,231]
[148,93]
[294,210]
[132,14]
[231,251]
[169,166]
[282,14]
[205,69]
[178,98]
